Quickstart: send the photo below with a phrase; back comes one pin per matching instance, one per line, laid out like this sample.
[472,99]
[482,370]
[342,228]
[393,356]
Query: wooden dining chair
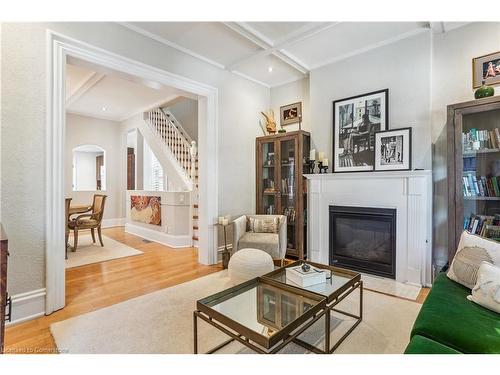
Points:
[90,221]
[66,222]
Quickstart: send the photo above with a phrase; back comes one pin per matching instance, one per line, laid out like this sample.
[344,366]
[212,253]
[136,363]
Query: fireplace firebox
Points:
[363,239]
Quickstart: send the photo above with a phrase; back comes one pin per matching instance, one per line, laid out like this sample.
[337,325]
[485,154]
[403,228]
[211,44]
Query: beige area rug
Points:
[88,253]
[162,322]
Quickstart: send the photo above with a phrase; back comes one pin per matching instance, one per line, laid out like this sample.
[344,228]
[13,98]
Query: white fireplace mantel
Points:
[409,192]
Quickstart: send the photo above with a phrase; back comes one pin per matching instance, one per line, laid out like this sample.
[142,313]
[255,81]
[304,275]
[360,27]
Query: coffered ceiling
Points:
[95,92]
[274,53]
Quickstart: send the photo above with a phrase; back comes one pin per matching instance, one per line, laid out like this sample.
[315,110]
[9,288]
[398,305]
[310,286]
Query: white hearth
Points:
[409,192]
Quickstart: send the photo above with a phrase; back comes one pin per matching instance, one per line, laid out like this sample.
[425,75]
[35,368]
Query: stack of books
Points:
[305,278]
[480,186]
[483,225]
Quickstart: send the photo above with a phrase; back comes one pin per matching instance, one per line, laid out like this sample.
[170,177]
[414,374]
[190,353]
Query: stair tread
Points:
[195,227]
[195,216]
[195,238]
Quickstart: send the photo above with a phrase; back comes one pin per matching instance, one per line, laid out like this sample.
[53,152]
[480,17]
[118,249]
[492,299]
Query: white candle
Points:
[221,219]
[312,154]
[321,156]
[225,222]
[325,162]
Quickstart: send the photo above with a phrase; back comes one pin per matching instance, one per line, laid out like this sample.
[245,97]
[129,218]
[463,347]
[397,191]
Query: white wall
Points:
[452,83]
[185,111]
[23,128]
[297,91]
[85,170]
[403,67]
[83,130]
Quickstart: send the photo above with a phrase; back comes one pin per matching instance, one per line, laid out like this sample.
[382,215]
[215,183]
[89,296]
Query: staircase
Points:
[183,149]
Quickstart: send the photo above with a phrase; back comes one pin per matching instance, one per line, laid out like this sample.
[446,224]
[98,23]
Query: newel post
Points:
[193,151]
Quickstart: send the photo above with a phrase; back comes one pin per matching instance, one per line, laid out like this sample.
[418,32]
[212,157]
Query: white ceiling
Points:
[93,92]
[274,53]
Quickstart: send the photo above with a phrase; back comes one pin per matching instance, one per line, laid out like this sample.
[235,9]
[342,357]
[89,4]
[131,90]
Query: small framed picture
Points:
[486,68]
[290,114]
[393,150]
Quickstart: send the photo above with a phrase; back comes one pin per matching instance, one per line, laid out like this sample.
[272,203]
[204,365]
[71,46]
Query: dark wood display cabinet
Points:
[4,306]
[281,187]
[473,136]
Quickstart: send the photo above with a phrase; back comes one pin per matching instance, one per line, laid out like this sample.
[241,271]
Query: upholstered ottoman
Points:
[246,264]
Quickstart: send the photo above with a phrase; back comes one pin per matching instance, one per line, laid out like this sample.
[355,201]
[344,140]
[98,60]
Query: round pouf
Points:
[246,264]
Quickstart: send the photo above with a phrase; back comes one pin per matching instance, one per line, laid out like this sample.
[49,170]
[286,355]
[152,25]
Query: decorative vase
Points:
[484,91]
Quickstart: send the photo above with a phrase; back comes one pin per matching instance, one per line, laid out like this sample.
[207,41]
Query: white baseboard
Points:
[110,223]
[160,237]
[27,306]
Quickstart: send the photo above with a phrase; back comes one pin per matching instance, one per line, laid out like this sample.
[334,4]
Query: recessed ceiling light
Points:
[270,69]
[104,109]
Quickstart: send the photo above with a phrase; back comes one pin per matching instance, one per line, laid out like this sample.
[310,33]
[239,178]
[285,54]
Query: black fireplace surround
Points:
[363,239]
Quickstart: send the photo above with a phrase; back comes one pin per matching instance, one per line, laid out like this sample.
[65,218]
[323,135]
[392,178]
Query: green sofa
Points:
[449,323]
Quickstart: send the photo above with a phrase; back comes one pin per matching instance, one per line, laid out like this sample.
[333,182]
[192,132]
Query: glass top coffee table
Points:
[267,313]
[339,284]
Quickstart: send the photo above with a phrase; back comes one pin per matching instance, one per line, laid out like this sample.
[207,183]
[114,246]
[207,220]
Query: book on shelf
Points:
[483,225]
[480,186]
[477,140]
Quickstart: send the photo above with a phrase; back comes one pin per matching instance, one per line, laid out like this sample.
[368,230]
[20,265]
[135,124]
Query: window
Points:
[157,178]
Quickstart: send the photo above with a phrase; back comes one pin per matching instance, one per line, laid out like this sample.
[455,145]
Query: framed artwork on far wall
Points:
[486,68]
[355,121]
[393,150]
[290,114]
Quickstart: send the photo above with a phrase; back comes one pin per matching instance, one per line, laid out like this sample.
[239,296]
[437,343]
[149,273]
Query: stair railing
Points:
[184,150]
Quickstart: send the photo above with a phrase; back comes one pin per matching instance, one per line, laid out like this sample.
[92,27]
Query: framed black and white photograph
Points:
[355,121]
[393,150]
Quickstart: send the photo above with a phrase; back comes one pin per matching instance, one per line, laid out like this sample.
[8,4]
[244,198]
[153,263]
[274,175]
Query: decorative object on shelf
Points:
[270,122]
[486,69]
[323,166]
[282,129]
[355,121]
[393,150]
[310,161]
[484,91]
[305,267]
[291,114]
[226,255]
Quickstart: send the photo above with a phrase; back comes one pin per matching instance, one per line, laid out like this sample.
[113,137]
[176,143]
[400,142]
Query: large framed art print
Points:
[355,121]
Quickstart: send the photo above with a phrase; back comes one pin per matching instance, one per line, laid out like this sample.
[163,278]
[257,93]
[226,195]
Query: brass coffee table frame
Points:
[246,336]
[332,300]
[290,333]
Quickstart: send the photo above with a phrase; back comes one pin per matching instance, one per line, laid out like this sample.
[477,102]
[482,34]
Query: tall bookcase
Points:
[473,170]
[281,187]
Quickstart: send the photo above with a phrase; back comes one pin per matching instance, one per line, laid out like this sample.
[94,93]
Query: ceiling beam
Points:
[92,80]
[277,49]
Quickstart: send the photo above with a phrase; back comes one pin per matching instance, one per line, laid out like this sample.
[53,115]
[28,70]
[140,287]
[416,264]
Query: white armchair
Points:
[272,243]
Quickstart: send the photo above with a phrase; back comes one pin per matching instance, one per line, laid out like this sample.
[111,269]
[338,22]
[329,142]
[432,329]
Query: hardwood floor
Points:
[95,286]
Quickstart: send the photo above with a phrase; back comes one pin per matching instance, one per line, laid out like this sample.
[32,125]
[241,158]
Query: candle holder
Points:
[310,165]
[322,168]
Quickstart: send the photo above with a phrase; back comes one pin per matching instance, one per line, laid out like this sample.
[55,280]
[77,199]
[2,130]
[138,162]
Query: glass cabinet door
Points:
[481,173]
[288,203]
[269,186]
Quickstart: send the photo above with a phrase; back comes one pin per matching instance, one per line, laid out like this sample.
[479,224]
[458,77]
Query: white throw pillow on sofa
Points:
[472,250]
[487,290]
